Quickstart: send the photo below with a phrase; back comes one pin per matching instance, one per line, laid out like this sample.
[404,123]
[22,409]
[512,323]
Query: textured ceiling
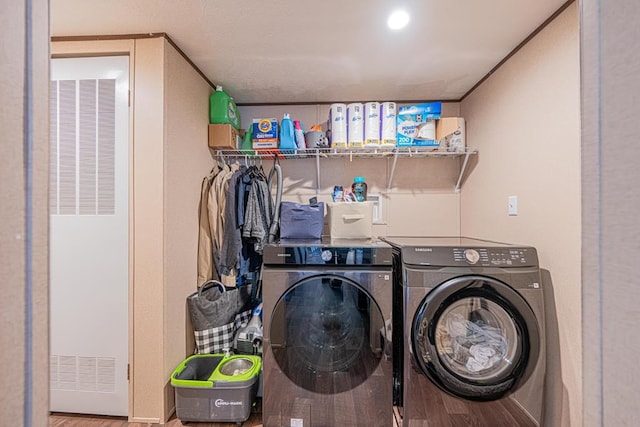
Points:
[277,51]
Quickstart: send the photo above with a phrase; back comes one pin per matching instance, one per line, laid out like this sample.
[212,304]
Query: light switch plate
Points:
[513,205]
[377,207]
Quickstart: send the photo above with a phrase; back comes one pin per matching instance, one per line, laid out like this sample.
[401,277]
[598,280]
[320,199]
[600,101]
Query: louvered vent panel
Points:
[87,147]
[87,373]
[106,146]
[53,148]
[67,373]
[67,147]
[53,372]
[82,147]
[106,375]
[81,373]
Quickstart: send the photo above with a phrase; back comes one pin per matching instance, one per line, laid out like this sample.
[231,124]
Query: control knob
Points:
[472,256]
[326,255]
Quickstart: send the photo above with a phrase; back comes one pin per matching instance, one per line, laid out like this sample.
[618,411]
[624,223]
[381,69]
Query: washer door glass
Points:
[324,334]
[476,339]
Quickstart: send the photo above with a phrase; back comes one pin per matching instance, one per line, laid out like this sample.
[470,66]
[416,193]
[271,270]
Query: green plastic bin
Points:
[216,388]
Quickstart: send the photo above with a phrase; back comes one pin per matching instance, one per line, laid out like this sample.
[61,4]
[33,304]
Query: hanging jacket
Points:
[257,217]
[206,270]
[217,203]
[231,240]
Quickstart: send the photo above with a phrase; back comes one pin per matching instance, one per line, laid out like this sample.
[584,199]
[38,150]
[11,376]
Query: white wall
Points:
[525,122]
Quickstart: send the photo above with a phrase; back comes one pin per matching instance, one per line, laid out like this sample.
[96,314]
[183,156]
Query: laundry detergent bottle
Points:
[287,136]
[247,141]
[222,109]
[299,135]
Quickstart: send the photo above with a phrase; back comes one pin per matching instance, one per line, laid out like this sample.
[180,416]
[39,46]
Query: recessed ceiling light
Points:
[398,19]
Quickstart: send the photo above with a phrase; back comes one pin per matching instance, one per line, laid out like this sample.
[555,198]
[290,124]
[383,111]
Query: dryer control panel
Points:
[492,256]
[470,256]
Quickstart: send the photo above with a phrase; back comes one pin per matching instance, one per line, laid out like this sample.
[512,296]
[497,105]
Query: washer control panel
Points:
[327,255]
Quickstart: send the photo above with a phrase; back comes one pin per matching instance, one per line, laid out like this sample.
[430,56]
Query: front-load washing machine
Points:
[471,315]
[326,322]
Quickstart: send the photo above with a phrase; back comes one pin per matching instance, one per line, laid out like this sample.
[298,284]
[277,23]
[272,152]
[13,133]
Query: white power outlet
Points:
[513,205]
[377,208]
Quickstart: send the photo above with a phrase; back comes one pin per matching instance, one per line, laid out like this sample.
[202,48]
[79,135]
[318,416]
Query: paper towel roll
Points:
[338,123]
[355,125]
[388,123]
[372,123]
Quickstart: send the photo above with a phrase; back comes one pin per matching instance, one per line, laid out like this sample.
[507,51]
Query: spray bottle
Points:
[299,135]
[287,138]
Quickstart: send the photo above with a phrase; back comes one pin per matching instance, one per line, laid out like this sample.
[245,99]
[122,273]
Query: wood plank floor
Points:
[480,416]
[443,411]
[72,420]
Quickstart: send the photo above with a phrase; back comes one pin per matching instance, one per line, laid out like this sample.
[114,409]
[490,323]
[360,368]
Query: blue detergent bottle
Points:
[287,136]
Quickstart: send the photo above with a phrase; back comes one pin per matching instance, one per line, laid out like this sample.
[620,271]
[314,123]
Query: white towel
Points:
[482,357]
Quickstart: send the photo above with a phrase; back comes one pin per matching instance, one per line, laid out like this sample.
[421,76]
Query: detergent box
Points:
[416,124]
[265,133]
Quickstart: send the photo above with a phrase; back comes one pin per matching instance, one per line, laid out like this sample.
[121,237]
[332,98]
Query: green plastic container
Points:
[216,388]
[223,109]
[247,141]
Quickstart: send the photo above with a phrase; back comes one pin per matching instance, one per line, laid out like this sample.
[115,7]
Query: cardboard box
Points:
[224,136]
[350,220]
[265,133]
[416,124]
[450,131]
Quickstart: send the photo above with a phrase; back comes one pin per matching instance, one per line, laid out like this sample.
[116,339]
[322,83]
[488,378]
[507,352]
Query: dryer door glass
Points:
[477,339]
[325,334]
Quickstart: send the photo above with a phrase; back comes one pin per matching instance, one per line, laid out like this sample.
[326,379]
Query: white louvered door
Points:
[89,235]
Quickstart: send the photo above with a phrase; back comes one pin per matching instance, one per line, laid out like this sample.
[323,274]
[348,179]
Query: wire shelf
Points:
[378,152]
[393,153]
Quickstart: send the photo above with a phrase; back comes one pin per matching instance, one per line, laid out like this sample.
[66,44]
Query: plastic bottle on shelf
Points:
[359,188]
[299,135]
[247,141]
[338,193]
[287,138]
[222,109]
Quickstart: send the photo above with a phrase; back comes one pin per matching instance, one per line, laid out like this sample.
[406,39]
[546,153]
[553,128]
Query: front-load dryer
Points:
[471,315]
[327,353]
